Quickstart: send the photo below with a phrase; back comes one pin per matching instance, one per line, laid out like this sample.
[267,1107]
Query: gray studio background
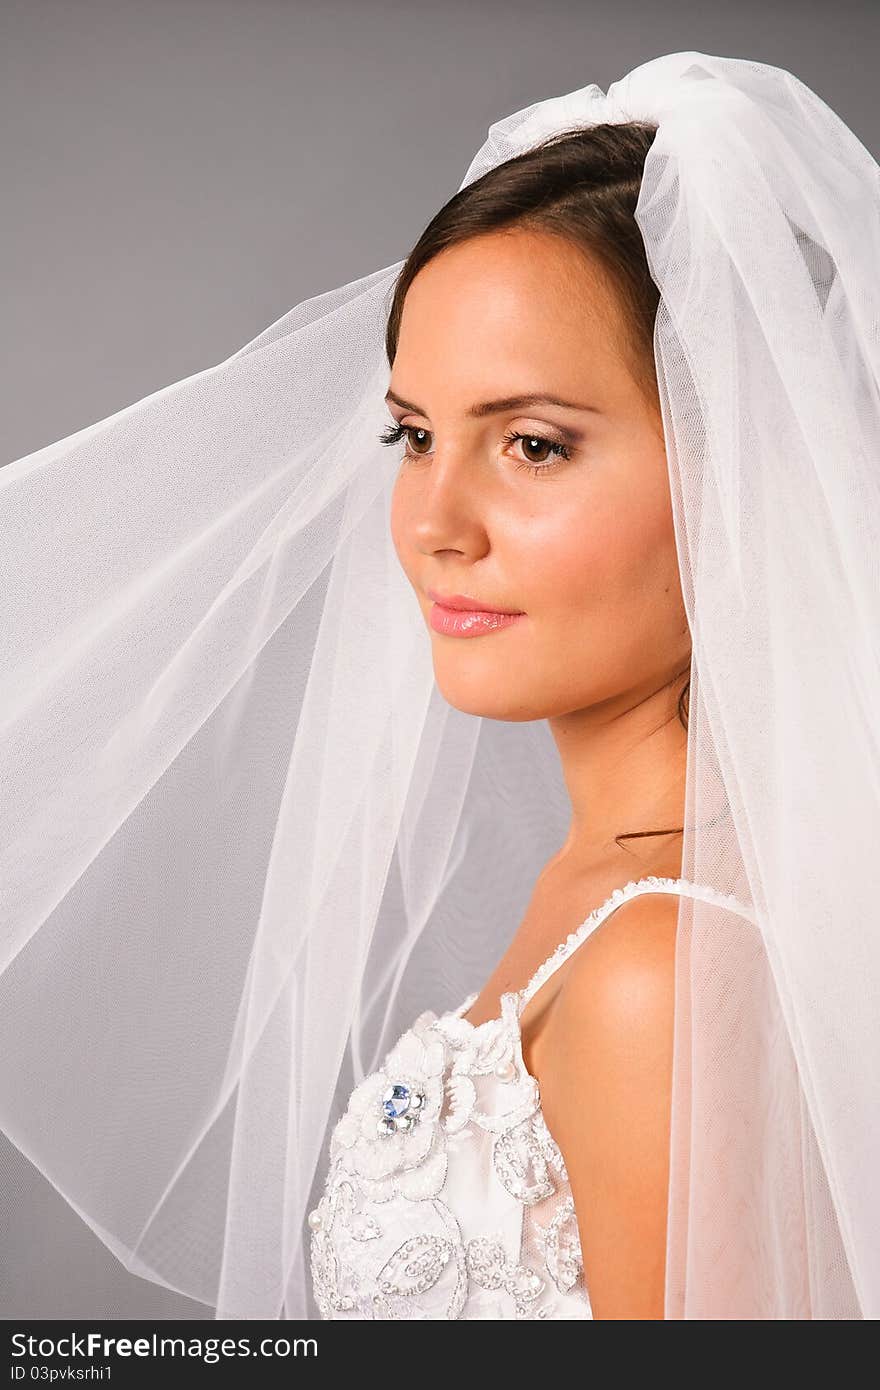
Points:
[178,173]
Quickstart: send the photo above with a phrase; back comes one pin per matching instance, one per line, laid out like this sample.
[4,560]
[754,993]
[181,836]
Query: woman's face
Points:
[583,546]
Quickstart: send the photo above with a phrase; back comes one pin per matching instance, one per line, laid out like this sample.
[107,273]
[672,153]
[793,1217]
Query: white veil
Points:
[244,841]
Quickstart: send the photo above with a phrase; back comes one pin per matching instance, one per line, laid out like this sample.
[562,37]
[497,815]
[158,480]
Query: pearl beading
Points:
[634,888]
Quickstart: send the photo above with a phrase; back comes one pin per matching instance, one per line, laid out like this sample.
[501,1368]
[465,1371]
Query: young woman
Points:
[441,803]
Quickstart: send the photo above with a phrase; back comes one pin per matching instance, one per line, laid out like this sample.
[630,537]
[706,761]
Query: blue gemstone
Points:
[395,1101]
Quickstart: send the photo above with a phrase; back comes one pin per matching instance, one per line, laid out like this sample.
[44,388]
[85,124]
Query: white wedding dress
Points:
[447,1196]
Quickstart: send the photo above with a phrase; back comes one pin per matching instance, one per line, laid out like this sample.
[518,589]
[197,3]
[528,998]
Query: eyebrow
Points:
[483,408]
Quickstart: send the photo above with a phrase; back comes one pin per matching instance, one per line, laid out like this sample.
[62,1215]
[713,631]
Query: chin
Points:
[489,699]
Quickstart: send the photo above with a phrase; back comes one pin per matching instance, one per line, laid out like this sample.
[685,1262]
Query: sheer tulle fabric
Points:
[244,840]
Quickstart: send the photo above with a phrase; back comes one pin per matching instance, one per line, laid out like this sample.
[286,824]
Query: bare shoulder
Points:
[607,1098]
[623,973]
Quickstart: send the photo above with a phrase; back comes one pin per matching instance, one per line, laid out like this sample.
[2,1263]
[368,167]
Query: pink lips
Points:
[456,615]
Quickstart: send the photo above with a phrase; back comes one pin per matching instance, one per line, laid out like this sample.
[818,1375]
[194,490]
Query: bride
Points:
[534,484]
[441,760]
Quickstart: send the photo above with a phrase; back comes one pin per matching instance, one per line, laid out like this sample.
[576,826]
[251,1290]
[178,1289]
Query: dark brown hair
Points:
[581,185]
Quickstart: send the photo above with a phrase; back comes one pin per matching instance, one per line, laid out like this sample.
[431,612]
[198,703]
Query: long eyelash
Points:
[394,434]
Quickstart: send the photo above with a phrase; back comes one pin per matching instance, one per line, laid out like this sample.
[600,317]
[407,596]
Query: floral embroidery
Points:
[522,1159]
[491,1269]
[406,1160]
[477,1051]
[453,1119]
[562,1247]
[338,1199]
[471,1082]
[417,1265]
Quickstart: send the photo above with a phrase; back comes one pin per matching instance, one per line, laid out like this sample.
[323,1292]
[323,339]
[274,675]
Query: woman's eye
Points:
[417,439]
[537,449]
[549,451]
[395,433]
[539,452]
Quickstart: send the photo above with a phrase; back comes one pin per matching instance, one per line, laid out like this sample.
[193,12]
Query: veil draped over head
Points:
[244,840]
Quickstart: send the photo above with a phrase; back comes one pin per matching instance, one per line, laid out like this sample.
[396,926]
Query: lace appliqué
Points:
[453,1120]
[470,1080]
[489,1266]
[523,1157]
[339,1198]
[562,1246]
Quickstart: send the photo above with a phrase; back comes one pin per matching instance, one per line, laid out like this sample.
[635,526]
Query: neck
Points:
[624,763]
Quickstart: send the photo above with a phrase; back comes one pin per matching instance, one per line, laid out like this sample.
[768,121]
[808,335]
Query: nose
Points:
[449,506]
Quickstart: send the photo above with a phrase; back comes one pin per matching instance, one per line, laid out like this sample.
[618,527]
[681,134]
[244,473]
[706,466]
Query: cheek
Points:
[597,567]
[564,554]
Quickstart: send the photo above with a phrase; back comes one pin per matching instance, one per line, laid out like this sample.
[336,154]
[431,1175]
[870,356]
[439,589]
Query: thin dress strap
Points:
[633,889]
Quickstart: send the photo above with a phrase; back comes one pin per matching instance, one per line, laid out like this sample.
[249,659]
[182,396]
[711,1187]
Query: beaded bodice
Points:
[446,1195]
